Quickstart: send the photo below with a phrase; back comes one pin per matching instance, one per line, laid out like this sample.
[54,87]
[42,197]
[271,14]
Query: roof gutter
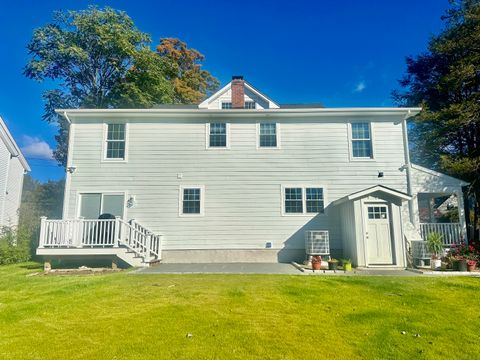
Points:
[408,165]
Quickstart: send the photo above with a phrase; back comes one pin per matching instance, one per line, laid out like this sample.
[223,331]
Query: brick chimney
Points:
[238,92]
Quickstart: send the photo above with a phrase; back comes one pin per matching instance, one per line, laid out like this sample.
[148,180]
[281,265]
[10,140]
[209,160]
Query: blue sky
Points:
[340,53]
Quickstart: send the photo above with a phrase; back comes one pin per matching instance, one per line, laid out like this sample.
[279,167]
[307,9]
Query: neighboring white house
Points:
[241,178]
[13,166]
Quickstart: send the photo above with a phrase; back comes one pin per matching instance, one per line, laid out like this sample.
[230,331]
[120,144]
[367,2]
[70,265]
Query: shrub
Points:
[14,245]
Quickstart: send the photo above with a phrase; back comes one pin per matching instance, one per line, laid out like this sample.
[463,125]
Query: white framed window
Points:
[115,148]
[192,200]
[268,135]
[93,204]
[226,105]
[303,199]
[361,140]
[218,135]
[250,105]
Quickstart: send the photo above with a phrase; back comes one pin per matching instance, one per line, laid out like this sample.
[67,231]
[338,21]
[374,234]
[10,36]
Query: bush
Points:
[14,245]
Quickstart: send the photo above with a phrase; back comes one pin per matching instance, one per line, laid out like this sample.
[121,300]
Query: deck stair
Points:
[129,241]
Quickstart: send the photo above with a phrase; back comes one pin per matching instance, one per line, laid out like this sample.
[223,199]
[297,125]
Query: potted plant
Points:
[316,262]
[332,264]
[471,264]
[347,264]
[435,247]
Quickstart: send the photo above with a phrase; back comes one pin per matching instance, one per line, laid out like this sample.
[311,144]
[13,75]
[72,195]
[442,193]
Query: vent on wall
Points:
[317,242]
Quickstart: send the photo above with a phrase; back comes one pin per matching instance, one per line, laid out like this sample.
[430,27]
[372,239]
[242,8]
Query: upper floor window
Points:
[250,105]
[217,135]
[268,135]
[115,142]
[361,140]
[226,105]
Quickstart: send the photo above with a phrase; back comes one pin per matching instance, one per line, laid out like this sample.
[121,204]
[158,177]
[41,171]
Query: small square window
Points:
[314,199]
[250,105]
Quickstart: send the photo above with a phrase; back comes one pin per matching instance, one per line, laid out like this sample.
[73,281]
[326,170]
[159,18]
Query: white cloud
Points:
[359,87]
[34,147]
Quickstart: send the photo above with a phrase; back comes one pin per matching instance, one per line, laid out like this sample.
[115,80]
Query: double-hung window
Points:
[268,135]
[303,200]
[115,142]
[217,135]
[361,140]
[191,200]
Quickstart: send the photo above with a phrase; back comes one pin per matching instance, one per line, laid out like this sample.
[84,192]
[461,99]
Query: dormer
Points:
[238,94]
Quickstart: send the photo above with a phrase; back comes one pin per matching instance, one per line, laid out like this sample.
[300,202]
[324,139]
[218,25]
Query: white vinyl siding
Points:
[243,207]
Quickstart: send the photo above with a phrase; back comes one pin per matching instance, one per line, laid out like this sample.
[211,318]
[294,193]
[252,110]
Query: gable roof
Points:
[368,191]
[439,174]
[11,145]
[271,103]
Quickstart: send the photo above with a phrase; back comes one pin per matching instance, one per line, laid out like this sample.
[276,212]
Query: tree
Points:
[445,81]
[97,58]
[190,82]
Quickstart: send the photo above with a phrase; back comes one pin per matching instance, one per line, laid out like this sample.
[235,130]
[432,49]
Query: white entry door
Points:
[378,237]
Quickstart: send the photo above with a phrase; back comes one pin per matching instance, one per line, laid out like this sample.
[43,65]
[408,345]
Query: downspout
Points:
[408,166]
[66,190]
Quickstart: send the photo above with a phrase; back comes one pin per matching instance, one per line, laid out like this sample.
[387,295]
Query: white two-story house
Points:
[13,167]
[240,178]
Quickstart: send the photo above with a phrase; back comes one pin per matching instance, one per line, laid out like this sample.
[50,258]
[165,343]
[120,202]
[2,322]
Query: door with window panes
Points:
[378,236]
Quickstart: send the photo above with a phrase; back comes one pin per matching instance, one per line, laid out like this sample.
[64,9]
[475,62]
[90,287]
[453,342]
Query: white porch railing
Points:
[452,233]
[81,233]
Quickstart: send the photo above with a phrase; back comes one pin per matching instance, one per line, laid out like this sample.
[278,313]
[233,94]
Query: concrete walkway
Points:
[221,268]
[261,268]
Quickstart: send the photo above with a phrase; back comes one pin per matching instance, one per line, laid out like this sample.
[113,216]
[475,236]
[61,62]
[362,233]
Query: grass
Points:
[127,316]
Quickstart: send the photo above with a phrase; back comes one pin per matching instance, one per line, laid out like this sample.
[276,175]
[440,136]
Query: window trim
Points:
[304,199]
[180,200]
[278,133]
[207,136]
[102,193]
[105,141]
[350,141]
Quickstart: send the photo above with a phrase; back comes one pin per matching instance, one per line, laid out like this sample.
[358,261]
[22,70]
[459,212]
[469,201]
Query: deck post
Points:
[79,232]
[41,241]
[117,231]
[148,239]
[461,215]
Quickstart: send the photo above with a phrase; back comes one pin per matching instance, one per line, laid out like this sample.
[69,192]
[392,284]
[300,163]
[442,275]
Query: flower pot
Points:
[435,264]
[471,267]
[332,265]
[347,267]
[316,265]
[460,265]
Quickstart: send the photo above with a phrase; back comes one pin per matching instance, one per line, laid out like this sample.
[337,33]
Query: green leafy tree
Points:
[97,58]
[190,82]
[445,81]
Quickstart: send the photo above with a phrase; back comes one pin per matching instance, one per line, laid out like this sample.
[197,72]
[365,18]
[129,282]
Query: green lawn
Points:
[126,316]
